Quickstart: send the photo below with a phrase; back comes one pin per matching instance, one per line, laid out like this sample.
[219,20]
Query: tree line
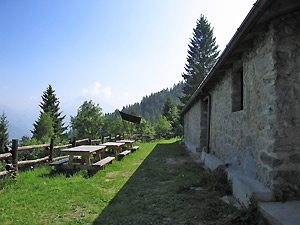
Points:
[150,107]
[89,122]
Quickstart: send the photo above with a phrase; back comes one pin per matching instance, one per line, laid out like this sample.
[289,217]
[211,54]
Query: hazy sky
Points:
[113,52]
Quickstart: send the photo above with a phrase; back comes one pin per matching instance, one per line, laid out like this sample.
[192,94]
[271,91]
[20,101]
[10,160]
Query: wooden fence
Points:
[12,153]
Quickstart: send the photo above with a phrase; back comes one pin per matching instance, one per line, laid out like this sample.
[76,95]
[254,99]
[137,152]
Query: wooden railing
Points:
[12,153]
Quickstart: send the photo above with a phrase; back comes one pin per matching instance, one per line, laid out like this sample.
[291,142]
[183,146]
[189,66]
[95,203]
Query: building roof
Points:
[256,21]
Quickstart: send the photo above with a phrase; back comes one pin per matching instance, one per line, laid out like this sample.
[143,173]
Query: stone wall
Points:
[262,139]
[286,129]
[195,127]
[192,127]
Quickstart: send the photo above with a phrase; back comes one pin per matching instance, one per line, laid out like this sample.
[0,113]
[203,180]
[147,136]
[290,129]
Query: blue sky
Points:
[112,52]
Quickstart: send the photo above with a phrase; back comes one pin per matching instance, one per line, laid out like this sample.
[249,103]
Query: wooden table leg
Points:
[118,150]
[87,160]
[98,155]
[71,156]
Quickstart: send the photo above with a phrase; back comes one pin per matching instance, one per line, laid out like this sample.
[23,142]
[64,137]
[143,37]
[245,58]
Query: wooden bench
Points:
[62,161]
[135,148]
[122,154]
[104,161]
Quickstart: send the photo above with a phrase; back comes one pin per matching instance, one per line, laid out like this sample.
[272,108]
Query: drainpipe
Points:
[208,122]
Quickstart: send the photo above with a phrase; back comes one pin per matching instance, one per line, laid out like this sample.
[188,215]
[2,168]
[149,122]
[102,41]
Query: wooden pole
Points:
[14,153]
[116,137]
[74,142]
[90,141]
[102,139]
[51,150]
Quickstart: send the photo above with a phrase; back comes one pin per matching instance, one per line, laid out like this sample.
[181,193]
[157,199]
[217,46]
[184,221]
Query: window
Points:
[237,94]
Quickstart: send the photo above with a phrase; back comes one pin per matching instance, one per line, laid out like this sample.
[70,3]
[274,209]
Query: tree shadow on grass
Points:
[159,192]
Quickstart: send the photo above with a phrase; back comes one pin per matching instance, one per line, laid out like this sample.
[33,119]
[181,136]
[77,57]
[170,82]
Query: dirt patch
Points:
[112,174]
[127,174]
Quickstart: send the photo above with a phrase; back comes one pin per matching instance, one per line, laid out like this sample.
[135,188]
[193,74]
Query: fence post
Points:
[74,142]
[116,137]
[51,150]
[14,153]
[109,137]
[90,141]
[102,139]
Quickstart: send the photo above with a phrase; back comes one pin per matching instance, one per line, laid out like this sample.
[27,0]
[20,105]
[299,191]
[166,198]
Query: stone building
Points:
[246,112]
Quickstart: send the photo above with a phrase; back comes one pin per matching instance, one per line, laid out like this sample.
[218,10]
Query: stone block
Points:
[295,158]
[270,161]
[212,162]
[279,213]
[244,188]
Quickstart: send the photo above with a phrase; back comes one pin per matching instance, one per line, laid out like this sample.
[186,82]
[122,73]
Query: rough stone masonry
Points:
[257,130]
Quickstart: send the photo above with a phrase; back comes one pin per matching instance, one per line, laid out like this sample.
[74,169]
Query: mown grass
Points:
[154,185]
[43,197]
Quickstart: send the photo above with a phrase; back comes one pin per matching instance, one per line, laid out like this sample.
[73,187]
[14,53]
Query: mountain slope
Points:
[150,108]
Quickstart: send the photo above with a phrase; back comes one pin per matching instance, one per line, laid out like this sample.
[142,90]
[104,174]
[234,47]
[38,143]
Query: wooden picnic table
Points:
[85,151]
[116,147]
[129,143]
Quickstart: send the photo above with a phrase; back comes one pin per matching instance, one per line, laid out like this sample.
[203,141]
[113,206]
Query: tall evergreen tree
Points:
[202,55]
[168,109]
[3,132]
[50,103]
[44,128]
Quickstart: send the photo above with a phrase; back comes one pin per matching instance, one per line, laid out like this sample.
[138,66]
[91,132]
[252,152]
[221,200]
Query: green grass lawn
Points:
[154,185]
[42,197]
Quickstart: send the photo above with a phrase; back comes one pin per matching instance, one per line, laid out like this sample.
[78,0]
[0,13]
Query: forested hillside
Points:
[150,107]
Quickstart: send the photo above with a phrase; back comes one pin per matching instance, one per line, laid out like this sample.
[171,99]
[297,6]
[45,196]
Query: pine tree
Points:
[168,109]
[202,55]
[50,103]
[44,128]
[3,133]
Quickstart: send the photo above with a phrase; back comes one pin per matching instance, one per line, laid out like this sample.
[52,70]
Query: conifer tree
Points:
[50,103]
[44,128]
[3,132]
[202,55]
[168,109]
